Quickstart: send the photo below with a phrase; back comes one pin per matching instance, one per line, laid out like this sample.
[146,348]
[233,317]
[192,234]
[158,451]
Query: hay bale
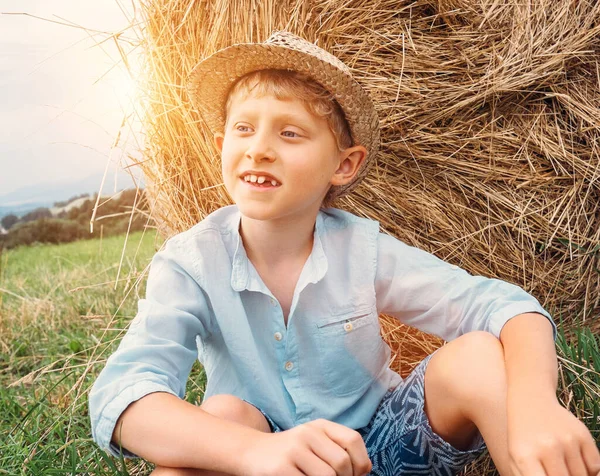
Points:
[490,152]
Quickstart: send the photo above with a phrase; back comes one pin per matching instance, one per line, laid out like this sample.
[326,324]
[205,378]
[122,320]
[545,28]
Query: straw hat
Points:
[212,78]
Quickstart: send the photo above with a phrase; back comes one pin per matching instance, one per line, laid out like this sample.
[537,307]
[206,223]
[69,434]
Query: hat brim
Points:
[212,78]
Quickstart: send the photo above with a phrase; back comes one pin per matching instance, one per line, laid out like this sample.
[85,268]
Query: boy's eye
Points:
[291,132]
[243,127]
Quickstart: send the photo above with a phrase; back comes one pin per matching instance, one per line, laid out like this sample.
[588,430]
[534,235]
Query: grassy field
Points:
[63,310]
[61,316]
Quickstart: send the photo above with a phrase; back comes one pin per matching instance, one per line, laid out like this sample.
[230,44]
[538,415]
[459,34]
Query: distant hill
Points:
[23,209]
[26,199]
[71,221]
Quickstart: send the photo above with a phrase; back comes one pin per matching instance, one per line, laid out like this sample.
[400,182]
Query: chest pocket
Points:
[351,352]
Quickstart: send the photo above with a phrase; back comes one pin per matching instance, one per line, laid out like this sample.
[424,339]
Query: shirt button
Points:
[278,336]
[273,303]
[348,326]
[289,366]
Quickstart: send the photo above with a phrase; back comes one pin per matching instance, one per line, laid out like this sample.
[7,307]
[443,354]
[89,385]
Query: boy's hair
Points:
[285,84]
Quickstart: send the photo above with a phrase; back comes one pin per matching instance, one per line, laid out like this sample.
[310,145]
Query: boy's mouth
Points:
[263,181]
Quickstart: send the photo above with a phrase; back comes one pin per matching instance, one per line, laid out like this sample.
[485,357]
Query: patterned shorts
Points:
[399,438]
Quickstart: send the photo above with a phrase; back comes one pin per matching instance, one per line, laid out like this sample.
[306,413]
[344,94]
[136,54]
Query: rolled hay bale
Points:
[490,152]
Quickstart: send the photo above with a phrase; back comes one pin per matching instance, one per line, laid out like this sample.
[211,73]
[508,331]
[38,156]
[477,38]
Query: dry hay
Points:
[489,116]
[489,109]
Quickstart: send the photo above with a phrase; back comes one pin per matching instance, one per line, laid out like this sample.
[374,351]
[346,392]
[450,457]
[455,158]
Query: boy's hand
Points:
[546,439]
[316,448]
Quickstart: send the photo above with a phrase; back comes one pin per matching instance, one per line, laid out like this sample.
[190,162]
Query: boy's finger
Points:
[361,464]
[574,460]
[354,445]
[329,451]
[591,455]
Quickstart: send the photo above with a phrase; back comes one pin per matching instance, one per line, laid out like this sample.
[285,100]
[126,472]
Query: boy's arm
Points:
[159,349]
[530,356]
[425,292]
[171,432]
[541,433]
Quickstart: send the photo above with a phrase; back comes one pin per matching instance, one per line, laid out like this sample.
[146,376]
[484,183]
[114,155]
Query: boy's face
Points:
[283,142]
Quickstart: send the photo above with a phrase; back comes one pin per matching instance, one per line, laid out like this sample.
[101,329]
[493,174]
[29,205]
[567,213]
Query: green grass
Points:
[63,310]
[579,378]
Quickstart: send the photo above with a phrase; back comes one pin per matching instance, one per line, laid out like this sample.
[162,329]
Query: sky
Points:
[62,97]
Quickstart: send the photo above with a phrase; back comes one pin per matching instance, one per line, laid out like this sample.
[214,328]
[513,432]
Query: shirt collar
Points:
[239,272]
[316,265]
[245,277]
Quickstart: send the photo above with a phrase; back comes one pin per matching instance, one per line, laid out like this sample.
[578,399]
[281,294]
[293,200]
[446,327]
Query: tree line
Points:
[112,218]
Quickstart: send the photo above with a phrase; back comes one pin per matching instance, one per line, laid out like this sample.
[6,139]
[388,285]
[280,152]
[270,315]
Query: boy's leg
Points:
[233,408]
[465,392]
[227,407]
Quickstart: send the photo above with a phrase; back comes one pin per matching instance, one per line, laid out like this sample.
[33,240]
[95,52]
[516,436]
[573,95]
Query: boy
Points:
[279,299]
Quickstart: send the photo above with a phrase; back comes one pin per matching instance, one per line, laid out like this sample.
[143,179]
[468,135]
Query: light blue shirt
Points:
[205,300]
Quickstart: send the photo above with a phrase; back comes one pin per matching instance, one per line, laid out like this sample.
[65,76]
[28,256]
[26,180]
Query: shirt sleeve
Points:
[438,298]
[159,348]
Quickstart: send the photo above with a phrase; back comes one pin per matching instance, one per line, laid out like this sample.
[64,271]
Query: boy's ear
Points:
[218,138]
[351,160]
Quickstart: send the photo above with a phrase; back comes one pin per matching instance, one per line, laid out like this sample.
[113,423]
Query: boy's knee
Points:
[474,366]
[480,345]
[224,406]
[485,368]
[235,409]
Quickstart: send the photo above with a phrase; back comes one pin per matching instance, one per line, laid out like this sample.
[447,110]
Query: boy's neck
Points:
[276,243]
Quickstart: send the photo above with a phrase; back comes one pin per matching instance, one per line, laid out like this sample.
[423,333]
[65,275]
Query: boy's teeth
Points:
[260,179]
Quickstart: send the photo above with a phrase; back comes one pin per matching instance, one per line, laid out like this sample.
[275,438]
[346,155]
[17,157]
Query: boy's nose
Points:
[260,147]
[260,150]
